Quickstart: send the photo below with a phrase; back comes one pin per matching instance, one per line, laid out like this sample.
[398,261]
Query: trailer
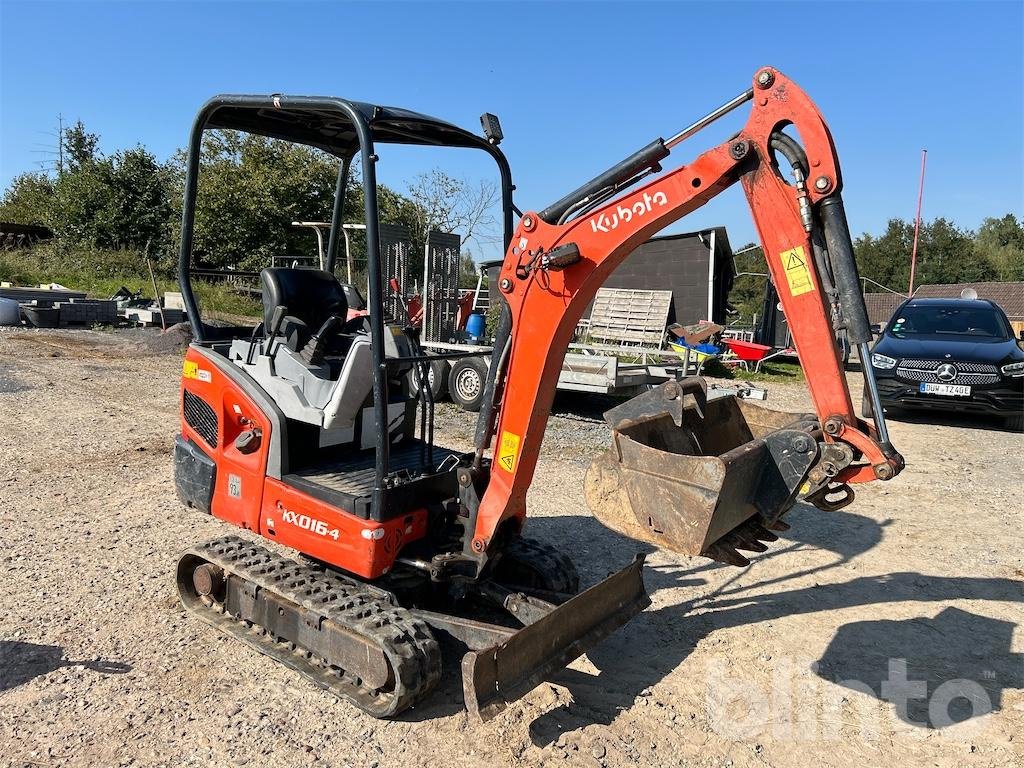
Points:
[629,324]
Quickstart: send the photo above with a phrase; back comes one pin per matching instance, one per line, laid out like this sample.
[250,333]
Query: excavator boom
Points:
[561,256]
[685,473]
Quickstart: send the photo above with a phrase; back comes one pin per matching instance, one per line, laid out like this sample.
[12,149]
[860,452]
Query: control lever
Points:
[313,352]
[276,319]
[396,291]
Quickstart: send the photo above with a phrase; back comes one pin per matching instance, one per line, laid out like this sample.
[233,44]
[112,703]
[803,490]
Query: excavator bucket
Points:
[699,476]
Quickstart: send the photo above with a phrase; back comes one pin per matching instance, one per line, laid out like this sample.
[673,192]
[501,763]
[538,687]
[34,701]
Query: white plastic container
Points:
[10,314]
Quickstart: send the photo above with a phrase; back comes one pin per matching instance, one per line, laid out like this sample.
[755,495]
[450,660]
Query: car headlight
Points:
[882,361]
[1013,369]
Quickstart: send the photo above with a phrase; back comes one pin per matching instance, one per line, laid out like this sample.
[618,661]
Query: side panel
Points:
[315,528]
[214,412]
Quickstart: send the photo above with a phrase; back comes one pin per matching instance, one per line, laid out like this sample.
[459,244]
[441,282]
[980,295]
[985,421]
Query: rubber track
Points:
[556,567]
[408,643]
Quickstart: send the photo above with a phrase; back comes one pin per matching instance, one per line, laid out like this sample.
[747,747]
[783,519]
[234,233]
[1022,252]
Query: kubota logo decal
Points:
[625,213]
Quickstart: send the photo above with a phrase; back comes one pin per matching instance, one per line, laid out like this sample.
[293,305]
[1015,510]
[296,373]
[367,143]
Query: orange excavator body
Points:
[686,473]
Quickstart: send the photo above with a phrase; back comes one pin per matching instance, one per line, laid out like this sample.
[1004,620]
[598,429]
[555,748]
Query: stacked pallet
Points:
[87,312]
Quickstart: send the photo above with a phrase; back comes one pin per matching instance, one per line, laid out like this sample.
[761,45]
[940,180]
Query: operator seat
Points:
[310,297]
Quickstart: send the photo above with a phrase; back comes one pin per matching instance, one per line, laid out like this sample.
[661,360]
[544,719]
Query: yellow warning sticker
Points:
[508,450]
[190,370]
[798,274]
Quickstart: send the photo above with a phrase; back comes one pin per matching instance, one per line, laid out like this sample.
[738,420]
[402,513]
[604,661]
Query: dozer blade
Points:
[698,476]
[494,677]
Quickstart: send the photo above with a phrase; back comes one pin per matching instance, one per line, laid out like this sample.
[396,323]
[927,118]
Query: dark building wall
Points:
[679,263]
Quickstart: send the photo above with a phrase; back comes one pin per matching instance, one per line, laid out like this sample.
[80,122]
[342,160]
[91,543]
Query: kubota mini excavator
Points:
[303,430]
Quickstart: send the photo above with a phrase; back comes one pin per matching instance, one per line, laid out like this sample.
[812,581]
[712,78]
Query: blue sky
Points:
[577,86]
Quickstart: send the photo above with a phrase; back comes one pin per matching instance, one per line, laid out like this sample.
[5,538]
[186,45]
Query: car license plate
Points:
[950,390]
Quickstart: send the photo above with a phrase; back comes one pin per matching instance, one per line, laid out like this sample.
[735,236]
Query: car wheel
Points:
[437,375]
[1015,423]
[466,383]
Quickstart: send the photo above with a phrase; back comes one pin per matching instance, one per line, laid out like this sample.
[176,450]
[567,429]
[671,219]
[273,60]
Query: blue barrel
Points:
[476,326]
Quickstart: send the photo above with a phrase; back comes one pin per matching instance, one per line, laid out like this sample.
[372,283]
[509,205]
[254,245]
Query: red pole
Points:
[917,222]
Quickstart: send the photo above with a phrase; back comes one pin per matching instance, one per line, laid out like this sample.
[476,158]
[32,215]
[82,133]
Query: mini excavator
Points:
[305,431]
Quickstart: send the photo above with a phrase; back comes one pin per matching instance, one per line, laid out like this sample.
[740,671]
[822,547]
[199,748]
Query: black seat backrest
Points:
[311,295]
[353,296]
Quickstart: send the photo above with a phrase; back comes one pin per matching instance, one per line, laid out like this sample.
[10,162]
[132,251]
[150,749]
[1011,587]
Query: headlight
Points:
[1013,369]
[881,361]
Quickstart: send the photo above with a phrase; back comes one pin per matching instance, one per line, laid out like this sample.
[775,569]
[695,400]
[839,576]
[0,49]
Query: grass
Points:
[100,273]
[778,372]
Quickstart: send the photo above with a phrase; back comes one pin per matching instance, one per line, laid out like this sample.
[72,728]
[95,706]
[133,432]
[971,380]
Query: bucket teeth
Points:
[744,542]
[779,526]
[723,553]
[759,531]
[750,537]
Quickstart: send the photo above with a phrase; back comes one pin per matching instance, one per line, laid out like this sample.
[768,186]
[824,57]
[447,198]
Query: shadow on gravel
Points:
[657,641]
[21,662]
[598,551]
[936,671]
[9,383]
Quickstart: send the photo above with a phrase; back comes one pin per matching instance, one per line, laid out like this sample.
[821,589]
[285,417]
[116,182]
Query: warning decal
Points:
[798,274]
[190,370]
[508,450]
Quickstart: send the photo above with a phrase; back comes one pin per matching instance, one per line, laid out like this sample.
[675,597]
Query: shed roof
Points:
[1009,296]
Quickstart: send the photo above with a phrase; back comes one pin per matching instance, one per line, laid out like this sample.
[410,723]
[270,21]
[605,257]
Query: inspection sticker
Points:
[508,450]
[798,274]
[192,370]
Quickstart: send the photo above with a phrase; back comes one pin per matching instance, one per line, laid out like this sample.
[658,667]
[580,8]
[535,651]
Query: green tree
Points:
[1001,241]
[946,254]
[747,293]
[139,205]
[886,258]
[81,211]
[79,146]
[251,188]
[28,199]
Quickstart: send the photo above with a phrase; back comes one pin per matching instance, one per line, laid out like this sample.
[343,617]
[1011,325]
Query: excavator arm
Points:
[558,258]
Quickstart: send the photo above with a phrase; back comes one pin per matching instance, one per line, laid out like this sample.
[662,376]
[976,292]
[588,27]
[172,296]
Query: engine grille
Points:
[201,417]
[966,373]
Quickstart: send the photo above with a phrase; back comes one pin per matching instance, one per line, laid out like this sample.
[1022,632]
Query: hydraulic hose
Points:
[788,147]
[495,373]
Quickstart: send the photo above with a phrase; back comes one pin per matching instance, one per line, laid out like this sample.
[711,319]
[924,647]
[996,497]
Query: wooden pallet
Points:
[629,317]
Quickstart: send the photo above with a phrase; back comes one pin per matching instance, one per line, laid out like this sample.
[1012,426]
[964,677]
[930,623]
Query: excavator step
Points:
[344,637]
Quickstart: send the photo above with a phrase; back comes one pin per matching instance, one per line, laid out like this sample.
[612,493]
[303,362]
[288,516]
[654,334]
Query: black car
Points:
[950,354]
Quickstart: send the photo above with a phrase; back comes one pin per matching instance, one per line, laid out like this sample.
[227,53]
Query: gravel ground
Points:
[793,661]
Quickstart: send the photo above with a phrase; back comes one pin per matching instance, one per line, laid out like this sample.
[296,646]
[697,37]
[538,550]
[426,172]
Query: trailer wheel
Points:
[437,375]
[466,383]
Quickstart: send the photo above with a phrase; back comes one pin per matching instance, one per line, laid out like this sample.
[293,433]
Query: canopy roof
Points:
[325,122]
